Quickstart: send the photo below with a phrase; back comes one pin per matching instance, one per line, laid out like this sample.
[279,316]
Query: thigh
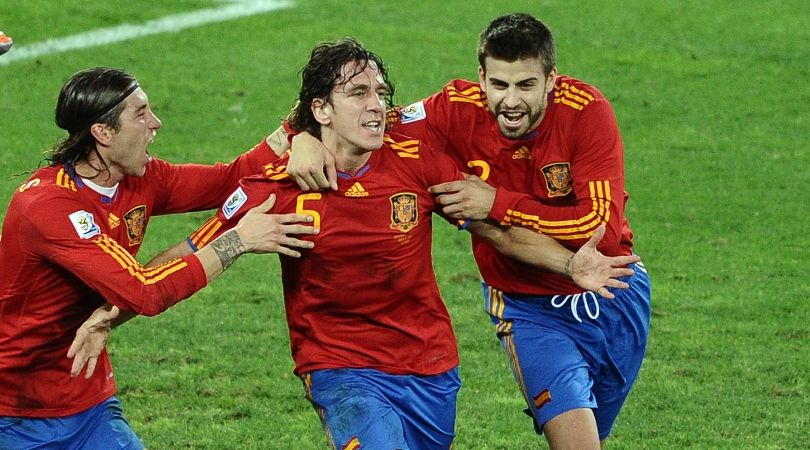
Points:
[626,332]
[354,412]
[552,374]
[111,431]
[102,426]
[427,407]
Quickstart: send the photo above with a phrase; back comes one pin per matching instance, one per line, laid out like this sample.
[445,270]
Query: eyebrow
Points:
[524,81]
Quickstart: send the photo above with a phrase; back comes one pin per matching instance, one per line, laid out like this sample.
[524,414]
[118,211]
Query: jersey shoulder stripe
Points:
[276,172]
[569,95]
[64,180]
[472,94]
[407,148]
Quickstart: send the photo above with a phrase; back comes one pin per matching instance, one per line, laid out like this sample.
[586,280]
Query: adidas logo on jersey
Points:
[522,153]
[356,190]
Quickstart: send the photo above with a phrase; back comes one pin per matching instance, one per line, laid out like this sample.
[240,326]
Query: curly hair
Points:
[323,72]
[517,36]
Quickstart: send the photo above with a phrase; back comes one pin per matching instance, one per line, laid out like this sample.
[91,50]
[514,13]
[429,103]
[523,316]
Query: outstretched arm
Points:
[261,233]
[588,268]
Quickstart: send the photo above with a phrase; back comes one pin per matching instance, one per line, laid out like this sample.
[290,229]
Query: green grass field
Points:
[714,109]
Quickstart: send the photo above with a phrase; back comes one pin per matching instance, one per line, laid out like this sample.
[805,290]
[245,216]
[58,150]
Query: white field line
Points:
[124,32]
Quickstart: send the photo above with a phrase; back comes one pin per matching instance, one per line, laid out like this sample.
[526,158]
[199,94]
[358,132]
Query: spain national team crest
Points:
[404,211]
[558,179]
[135,219]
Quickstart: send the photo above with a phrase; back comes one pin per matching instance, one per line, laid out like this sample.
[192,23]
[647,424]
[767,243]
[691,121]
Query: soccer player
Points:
[370,336]
[549,150]
[69,236]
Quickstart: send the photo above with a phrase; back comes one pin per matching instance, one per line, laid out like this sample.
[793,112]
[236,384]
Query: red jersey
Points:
[563,179]
[65,249]
[365,296]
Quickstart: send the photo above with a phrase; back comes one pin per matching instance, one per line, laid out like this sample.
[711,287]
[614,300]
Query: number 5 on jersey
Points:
[299,207]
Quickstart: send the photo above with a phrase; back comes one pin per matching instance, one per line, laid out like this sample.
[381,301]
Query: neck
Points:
[348,158]
[351,162]
[95,168]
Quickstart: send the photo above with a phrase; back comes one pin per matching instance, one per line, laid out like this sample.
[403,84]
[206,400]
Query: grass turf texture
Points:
[714,114]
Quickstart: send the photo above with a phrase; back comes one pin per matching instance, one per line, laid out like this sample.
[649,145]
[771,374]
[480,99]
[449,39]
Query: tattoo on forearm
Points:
[228,247]
[275,139]
[568,263]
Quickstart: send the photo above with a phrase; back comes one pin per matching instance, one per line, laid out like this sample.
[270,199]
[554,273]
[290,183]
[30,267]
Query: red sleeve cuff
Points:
[504,205]
[198,279]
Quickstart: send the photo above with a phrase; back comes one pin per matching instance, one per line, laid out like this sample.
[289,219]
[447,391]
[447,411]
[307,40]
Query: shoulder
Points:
[414,155]
[465,94]
[47,184]
[49,202]
[400,146]
[576,94]
[253,190]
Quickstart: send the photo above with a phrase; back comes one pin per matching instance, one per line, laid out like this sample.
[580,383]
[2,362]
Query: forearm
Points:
[531,248]
[177,251]
[278,141]
[220,254]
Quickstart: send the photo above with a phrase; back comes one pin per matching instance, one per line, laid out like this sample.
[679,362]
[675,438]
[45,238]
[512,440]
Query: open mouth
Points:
[374,126]
[512,118]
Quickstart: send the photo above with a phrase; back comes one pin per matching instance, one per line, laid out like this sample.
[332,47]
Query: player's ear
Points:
[321,110]
[102,133]
[551,79]
[482,75]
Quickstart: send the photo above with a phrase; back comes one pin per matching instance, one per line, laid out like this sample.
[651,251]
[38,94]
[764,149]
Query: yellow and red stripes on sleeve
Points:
[146,275]
[571,96]
[581,228]
[203,235]
[472,95]
[404,149]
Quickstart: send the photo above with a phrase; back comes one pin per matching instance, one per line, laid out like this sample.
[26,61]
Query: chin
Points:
[512,134]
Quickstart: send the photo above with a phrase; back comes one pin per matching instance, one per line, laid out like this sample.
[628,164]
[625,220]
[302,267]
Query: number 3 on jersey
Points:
[299,208]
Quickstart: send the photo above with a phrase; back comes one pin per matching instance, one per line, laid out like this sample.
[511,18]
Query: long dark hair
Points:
[323,72]
[90,96]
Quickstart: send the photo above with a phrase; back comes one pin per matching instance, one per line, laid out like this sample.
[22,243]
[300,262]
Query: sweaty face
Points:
[127,153]
[517,93]
[355,113]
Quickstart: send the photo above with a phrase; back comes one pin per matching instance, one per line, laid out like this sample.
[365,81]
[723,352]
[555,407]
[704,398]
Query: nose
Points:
[511,99]
[376,103]
[154,121]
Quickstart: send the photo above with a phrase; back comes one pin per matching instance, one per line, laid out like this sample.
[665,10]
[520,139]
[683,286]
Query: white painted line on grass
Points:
[124,32]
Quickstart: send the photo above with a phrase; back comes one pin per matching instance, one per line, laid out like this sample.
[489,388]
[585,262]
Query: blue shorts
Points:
[574,351]
[366,408]
[100,427]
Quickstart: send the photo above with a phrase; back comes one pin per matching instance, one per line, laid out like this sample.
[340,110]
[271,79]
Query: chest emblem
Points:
[404,211]
[135,219]
[558,179]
